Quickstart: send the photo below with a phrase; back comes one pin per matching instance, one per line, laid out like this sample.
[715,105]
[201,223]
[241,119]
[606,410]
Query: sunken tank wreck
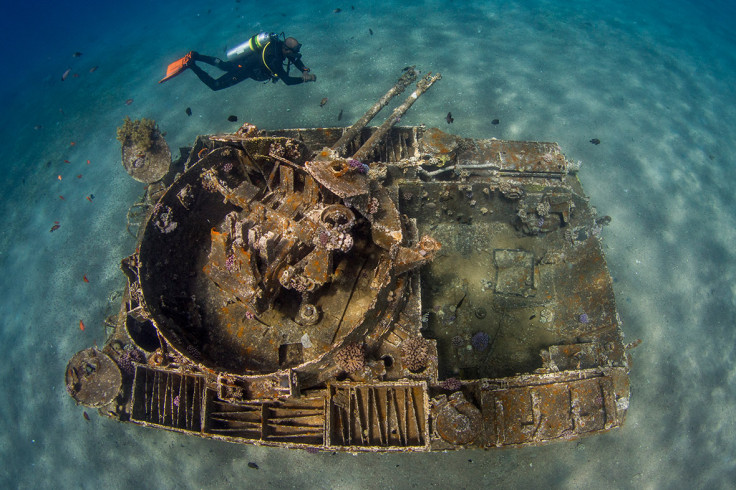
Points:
[364,289]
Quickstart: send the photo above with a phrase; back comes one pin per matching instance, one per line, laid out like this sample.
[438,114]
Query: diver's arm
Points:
[306,76]
[281,74]
[292,80]
[297,61]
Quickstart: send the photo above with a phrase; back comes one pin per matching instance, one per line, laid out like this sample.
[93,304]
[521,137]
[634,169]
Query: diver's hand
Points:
[309,77]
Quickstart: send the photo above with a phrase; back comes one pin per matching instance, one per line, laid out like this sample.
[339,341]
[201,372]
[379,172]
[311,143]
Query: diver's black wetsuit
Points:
[252,67]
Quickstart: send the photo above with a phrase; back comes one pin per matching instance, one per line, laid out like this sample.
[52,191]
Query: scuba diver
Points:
[261,58]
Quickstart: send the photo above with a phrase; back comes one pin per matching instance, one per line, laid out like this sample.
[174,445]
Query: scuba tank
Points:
[251,47]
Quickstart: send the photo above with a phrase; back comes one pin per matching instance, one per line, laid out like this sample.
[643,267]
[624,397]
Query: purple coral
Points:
[451,384]
[230,263]
[480,341]
[359,166]
[583,318]
[126,360]
[176,401]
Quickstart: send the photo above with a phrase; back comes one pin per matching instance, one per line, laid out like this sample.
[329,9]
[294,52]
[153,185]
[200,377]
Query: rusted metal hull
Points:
[450,293]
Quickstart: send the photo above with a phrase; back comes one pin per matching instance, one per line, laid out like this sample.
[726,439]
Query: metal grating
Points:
[297,421]
[227,419]
[382,415]
[167,399]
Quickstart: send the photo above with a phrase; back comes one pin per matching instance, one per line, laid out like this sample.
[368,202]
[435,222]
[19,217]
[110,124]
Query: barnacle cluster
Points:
[415,353]
[351,358]
[140,133]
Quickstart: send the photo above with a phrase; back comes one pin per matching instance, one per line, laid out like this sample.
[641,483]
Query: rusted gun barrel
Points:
[408,77]
[422,86]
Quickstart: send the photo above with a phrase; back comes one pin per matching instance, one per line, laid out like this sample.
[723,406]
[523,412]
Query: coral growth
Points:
[126,360]
[358,166]
[480,341]
[451,384]
[139,133]
[351,358]
[415,353]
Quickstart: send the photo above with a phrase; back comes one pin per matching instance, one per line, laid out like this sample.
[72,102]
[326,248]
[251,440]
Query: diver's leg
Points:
[211,60]
[226,80]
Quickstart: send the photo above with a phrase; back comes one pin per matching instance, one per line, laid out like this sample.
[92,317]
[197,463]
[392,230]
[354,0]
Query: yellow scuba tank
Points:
[251,47]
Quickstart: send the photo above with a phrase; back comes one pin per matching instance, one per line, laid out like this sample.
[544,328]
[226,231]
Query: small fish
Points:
[189,111]
[79,176]
[84,278]
[61,197]
[86,417]
[73,143]
[37,127]
[75,75]
[232,118]
[252,465]
[58,177]
[88,162]
[76,54]
[595,141]
[66,74]
[495,122]
[93,69]
[55,227]
[90,197]
[339,116]
[67,161]
[129,101]
[337,11]
[81,325]
[323,102]
[370,31]
[449,118]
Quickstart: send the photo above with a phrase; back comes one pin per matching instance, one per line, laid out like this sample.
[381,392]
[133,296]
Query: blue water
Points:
[654,81]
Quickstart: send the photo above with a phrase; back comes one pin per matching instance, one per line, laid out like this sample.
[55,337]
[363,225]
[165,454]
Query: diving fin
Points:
[177,67]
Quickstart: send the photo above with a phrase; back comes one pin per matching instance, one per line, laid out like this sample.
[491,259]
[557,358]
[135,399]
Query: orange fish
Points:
[81,325]
[61,197]
[89,198]
[55,227]
[323,102]
[67,161]
[84,278]
[73,143]
[88,162]
[58,177]
[79,176]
